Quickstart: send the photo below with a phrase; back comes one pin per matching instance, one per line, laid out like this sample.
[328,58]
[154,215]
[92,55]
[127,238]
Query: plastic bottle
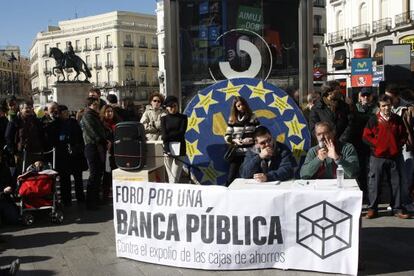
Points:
[340,176]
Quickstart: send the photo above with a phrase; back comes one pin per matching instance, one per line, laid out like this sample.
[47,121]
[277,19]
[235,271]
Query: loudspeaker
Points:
[129,146]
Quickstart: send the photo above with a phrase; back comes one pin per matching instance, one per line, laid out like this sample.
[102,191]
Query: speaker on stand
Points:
[129,146]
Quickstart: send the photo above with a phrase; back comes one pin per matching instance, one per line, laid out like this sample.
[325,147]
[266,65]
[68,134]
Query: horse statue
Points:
[63,61]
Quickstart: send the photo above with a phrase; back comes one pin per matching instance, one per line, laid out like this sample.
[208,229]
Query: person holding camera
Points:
[322,160]
[268,160]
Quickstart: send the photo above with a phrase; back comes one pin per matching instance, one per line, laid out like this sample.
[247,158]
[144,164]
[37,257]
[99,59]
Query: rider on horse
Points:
[69,53]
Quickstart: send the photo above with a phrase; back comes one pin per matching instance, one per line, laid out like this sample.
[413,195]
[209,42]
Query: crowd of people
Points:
[372,139]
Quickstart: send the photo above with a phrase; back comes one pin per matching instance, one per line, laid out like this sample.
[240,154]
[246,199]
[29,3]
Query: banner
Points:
[217,228]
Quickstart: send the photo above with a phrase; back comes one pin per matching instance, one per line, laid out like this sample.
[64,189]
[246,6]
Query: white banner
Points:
[213,227]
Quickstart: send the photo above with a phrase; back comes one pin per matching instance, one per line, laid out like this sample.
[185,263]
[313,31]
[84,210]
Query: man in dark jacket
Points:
[268,160]
[385,133]
[95,149]
[331,108]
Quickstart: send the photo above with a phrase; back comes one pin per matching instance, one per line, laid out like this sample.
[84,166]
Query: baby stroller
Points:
[37,189]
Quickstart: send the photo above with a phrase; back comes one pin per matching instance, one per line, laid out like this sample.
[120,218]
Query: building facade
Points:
[119,48]
[14,73]
[370,23]
[319,50]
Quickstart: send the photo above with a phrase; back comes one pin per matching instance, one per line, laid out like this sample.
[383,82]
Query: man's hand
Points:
[331,150]
[266,153]
[238,141]
[322,154]
[7,190]
[246,141]
[260,177]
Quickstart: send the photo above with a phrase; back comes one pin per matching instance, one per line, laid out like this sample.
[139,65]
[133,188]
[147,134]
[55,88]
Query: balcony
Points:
[130,83]
[97,66]
[336,37]
[143,64]
[405,18]
[319,3]
[361,30]
[96,47]
[109,64]
[142,44]
[78,49]
[86,48]
[154,46]
[108,44]
[129,63]
[382,25]
[144,83]
[129,44]
[319,31]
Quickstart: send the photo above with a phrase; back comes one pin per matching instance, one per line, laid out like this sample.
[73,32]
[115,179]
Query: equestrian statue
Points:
[69,60]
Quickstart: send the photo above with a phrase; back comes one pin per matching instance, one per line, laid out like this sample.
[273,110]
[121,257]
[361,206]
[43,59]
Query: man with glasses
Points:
[268,160]
[322,160]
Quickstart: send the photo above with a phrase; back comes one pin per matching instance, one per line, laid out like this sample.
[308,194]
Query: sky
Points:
[21,20]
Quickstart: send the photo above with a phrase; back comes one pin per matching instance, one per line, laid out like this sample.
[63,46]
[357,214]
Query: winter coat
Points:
[151,119]
[280,167]
[92,127]
[341,119]
[361,116]
[241,129]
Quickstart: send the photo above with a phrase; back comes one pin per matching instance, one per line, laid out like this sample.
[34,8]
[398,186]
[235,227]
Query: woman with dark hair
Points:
[151,119]
[109,120]
[173,128]
[239,134]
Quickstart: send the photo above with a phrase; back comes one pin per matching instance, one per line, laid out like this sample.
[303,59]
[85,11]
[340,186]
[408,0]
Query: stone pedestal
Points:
[71,94]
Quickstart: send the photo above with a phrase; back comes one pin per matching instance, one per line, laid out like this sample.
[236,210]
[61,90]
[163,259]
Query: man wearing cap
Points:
[365,108]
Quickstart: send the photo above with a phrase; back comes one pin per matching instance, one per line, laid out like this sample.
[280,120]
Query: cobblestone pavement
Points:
[84,245]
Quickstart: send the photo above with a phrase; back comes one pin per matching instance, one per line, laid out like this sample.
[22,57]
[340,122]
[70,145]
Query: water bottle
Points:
[340,176]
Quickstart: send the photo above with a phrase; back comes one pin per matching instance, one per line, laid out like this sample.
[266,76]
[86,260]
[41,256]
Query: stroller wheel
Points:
[27,219]
[57,217]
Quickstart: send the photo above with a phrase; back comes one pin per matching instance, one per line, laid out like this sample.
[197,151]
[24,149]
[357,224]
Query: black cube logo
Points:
[324,229]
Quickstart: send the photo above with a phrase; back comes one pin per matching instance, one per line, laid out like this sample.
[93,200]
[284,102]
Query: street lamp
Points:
[12,59]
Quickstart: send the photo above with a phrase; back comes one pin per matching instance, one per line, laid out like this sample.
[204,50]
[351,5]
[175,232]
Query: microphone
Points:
[321,144]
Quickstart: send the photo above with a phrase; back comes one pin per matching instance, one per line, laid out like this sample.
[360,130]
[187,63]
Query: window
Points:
[317,24]
[46,65]
[129,75]
[143,76]
[108,38]
[58,45]
[142,39]
[109,77]
[97,43]
[88,60]
[154,40]
[363,14]
[128,38]
[384,9]
[98,77]
[77,44]
[108,57]
[339,21]
[97,59]
[129,56]
[86,42]
[46,49]
[143,58]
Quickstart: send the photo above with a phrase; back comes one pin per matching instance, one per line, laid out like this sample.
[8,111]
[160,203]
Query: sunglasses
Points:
[156,101]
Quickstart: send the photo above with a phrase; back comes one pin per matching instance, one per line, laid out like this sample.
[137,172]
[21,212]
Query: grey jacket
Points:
[151,119]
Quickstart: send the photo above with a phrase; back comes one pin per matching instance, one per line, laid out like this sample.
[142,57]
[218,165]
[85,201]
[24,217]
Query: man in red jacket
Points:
[385,133]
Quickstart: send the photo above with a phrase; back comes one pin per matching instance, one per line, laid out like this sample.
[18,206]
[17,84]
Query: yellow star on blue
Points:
[194,122]
[231,90]
[259,91]
[205,101]
[297,149]
[281,103]
[210,174]
[192,150]
[295,127]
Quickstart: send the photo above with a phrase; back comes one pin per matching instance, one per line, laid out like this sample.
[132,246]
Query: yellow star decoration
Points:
[259,91]
[205,101]
[231,90]
[295,127]
[281,104]
[192,150]
[210,174]
[194,122]
[297,149]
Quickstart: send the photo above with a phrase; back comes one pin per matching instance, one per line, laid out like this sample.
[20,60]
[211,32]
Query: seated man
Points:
[323,159]
[268,160]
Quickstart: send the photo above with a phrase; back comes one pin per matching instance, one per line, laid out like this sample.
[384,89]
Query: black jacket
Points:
[341,119]
[173,128]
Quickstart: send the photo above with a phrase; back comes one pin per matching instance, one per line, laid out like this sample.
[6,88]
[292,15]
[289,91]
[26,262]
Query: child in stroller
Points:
[37,191]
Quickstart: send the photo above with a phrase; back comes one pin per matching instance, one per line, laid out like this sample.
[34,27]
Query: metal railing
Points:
[336,37]
[404,18]
[109,64]
[97,46]
[143,44]
[154,46]
[128,44]
[108,44]
[86,48]
[381,25]
[98,65]
[155,64]
[144,83]
[129,63]
[361,30]
[78,49]
[143,63]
